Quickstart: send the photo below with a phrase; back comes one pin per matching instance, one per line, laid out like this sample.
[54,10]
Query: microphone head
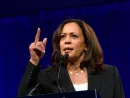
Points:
[65,57]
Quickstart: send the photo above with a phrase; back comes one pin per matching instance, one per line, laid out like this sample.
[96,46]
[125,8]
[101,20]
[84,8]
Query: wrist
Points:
[34,62]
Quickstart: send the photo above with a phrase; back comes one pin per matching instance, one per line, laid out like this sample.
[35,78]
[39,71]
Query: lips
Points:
[68,49]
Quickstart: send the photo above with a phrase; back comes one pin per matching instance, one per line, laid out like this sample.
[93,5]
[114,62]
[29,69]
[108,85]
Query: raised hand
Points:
[37,49]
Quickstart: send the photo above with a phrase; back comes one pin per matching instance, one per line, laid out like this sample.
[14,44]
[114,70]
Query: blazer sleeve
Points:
[29,79]
[118,90]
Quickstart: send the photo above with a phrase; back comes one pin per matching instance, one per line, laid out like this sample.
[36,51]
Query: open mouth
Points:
[68,49]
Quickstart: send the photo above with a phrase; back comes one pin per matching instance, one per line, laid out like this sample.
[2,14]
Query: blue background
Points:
[19,21]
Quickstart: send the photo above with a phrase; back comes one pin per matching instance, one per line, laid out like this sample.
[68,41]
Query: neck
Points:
[74,64]
[73,67]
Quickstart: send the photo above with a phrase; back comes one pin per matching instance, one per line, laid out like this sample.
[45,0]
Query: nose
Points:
[67,40]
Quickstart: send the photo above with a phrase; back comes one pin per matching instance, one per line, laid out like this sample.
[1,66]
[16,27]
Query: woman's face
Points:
[72,41]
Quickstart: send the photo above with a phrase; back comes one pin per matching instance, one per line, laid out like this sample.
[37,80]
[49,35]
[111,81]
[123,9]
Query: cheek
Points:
[80,46]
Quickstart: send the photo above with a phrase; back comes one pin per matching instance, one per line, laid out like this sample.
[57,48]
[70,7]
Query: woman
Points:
[83,70]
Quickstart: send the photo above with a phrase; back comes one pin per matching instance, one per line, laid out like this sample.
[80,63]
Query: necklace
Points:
[77,72]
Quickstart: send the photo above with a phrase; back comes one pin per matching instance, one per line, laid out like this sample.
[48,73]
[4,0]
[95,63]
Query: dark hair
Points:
[94,55]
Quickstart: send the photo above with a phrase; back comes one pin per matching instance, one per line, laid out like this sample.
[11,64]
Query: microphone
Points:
[63,58]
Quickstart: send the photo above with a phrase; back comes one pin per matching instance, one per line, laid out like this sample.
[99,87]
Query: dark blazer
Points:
[107,83]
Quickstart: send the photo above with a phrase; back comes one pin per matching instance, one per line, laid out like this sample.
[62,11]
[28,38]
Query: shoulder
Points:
[110,68]
[110,71]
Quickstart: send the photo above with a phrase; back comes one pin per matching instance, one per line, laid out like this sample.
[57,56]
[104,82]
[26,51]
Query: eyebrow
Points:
[70,33]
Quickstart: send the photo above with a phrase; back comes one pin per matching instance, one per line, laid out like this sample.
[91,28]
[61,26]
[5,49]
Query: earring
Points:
[85,49]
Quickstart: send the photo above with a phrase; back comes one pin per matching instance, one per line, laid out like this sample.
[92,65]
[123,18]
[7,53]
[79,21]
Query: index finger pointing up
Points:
[37,37]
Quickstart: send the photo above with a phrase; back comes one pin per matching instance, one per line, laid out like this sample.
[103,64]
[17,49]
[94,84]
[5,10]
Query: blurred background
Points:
[20,19]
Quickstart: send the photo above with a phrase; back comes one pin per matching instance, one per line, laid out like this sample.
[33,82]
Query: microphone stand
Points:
[63,58]
[30,93]
[58,81]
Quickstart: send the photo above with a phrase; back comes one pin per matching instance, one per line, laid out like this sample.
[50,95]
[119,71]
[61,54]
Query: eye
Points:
[62,36]
[74,36]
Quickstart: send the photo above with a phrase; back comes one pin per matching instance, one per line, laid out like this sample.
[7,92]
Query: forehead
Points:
[71,27]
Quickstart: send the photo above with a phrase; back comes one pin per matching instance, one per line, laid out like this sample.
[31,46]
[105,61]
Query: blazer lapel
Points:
[65,80]
[94,81]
